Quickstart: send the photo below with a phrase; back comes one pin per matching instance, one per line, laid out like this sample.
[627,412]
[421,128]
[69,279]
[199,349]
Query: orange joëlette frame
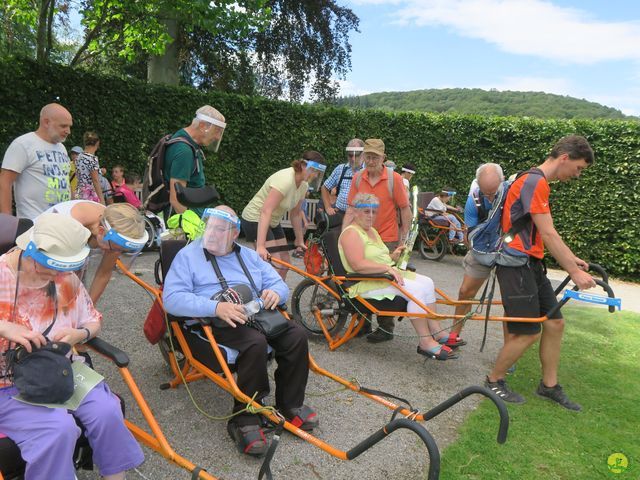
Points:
[193,370]
[357,321]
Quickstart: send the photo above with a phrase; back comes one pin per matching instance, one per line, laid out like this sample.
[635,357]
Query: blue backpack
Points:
[488,245]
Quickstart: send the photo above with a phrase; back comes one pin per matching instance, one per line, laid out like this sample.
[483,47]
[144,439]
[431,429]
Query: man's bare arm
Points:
[7,179]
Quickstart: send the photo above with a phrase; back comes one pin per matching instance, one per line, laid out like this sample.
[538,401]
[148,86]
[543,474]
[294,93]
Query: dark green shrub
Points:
[597,216]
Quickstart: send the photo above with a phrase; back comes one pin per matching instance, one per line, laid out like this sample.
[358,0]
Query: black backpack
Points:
[155,189]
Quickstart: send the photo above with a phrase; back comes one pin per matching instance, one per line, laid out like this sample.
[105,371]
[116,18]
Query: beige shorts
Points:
[474,269]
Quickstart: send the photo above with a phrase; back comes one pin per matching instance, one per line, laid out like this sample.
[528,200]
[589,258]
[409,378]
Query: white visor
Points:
[367,211]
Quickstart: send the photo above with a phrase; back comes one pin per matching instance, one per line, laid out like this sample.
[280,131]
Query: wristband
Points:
[88,337]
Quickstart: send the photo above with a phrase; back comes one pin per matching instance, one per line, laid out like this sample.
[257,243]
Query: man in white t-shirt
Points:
[36,165]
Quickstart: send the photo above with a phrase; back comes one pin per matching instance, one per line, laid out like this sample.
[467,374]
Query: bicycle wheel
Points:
[165,349]
[432,245]
[152,242]
[309,296]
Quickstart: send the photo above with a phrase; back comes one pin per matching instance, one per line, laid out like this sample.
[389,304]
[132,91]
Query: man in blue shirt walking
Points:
[483,190]
[194,289]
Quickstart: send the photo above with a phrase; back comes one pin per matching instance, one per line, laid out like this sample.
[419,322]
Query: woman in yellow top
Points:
[363,251]
[283,191]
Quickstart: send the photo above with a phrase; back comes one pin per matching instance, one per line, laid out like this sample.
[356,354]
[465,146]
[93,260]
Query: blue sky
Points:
[586,49]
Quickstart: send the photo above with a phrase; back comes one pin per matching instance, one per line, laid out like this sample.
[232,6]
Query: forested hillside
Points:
[475,101]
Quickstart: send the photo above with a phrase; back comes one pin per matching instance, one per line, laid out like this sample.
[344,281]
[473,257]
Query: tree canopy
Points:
[482,102]
[276,48]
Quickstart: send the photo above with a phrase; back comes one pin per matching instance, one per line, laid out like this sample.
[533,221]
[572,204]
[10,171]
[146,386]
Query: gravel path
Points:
[346,418]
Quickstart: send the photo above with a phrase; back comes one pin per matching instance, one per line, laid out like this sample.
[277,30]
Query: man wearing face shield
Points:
[283,191]
[341,177]
[194,289]
[42,299]
[118,231]
[180,166]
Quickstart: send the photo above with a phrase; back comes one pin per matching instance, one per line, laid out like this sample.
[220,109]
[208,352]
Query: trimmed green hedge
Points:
[597,216]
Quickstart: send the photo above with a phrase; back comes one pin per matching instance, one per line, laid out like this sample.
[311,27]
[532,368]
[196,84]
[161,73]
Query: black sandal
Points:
[441,352]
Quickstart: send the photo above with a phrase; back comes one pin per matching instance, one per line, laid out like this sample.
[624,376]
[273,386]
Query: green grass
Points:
[600,369]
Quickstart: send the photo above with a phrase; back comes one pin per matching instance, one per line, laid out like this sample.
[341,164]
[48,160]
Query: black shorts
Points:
[526,292]
[250,230]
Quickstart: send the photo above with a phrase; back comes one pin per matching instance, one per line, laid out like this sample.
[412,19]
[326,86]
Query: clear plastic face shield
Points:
[366,214]
[449,194]
[214,132]
[354,157]
[45,282]
[315,172]
[129,248]
[221,230]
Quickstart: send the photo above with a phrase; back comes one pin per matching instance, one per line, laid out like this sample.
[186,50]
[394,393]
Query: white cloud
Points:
[348,88]
[527,27]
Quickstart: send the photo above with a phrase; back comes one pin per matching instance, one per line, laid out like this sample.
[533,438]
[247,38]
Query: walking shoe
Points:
[501,389]
[248,436]
[302,417]
[512,369]
[379,335]
[557,395]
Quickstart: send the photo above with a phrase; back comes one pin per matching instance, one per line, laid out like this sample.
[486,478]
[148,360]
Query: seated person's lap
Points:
[421,287]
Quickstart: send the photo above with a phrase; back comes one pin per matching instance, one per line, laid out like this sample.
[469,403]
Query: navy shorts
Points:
[250,230]
[526,292]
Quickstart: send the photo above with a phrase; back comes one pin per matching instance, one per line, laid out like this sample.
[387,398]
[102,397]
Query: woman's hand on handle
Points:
[264,254]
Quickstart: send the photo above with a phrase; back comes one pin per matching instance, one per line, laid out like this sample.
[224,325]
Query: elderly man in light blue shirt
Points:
[193,288]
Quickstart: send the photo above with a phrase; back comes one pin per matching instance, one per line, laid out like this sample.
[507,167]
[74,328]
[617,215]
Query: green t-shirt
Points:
[178,163]
[285,182]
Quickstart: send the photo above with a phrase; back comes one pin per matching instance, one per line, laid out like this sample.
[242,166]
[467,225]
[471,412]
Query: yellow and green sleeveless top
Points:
[376,251]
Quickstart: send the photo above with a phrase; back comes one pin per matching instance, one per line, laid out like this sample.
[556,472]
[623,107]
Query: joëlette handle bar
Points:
[592,267]
[600,283]
[393,425]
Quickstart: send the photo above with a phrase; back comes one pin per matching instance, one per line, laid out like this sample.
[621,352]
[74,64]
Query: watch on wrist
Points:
[88,336]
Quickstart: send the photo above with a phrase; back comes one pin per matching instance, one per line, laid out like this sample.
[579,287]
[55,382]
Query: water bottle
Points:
[253,307]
